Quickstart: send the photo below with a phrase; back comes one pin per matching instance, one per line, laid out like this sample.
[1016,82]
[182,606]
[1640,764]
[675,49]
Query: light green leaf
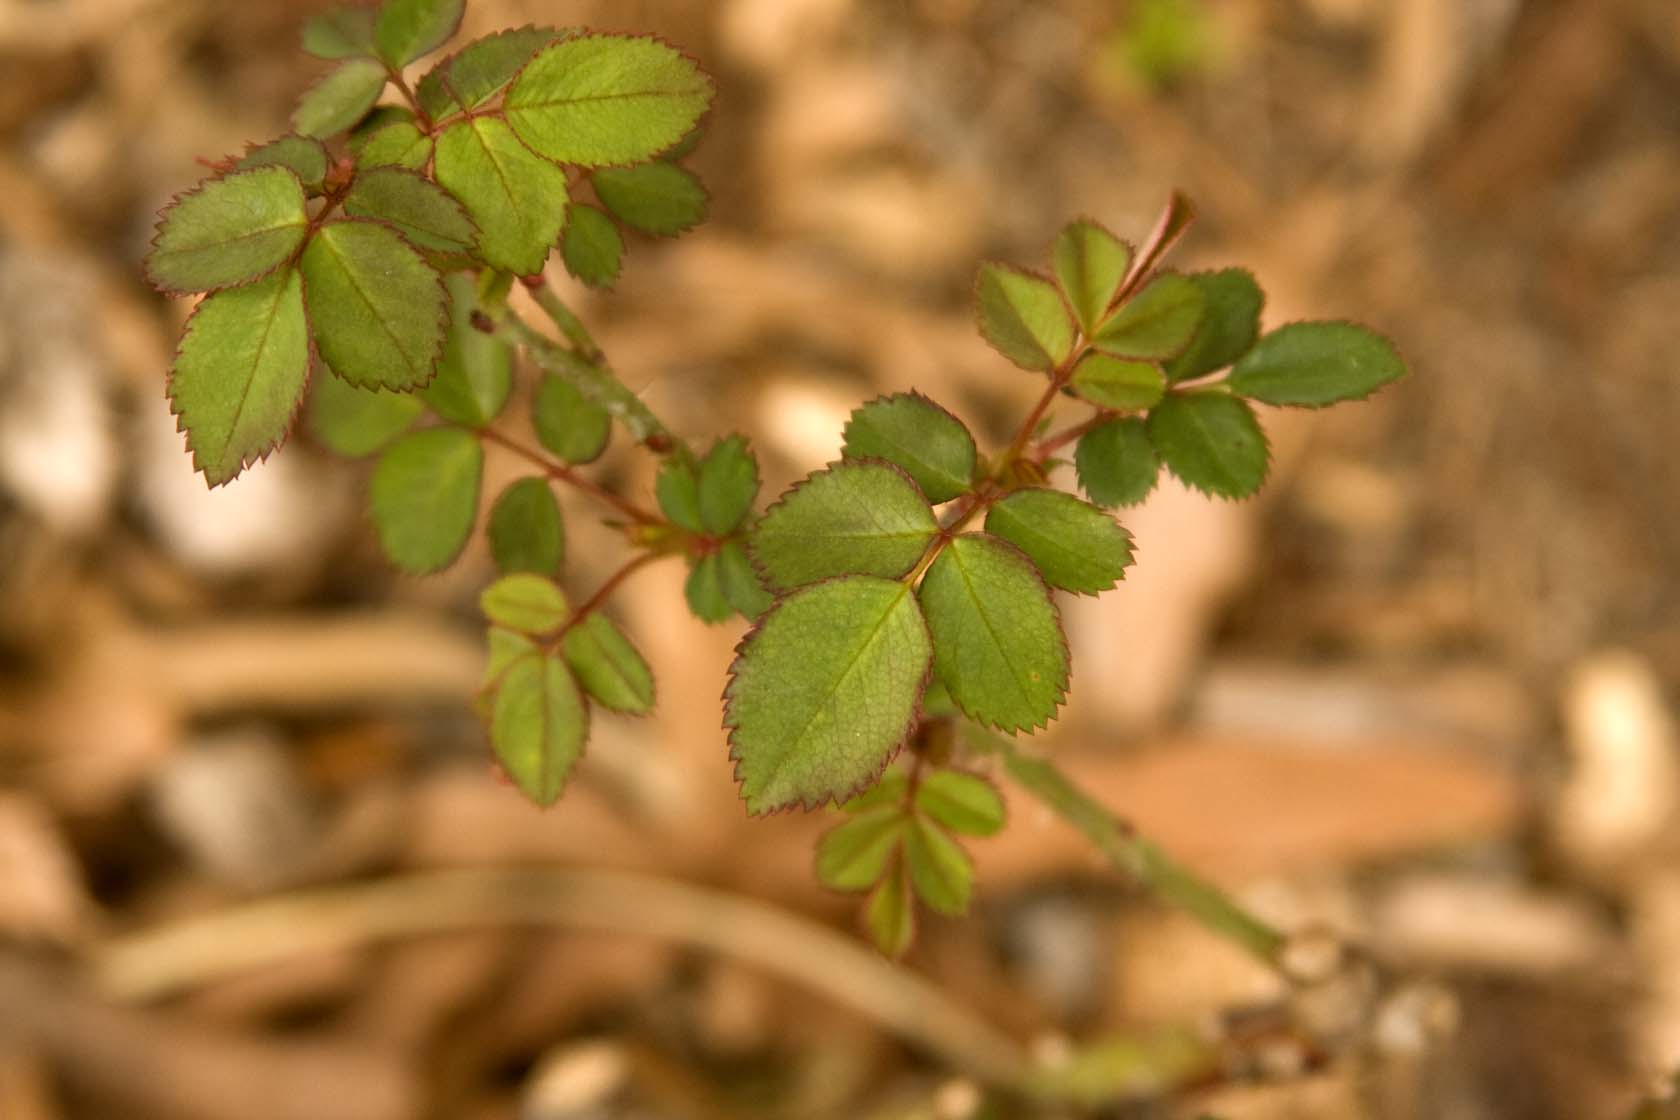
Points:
[1316,364]
[1090,263]
[1074,545]
[569,423]
[608,666]
[340,33]
[538,725]
[358,422]
[505,647]
[241,369]
[740,583]
[409,29]
[479,70]
[997,639]
[1158,322]
[303,157]
[526,532]
[1211,441]
[911,432]
[939,868]
[517,198]
[891,919]
[475,372]
[227,231]
[592,247]
[377,308]
[1023,317]
[856,517]
[606,99]
[416,208]
[824,691]
[1117,383]
[853,855]
[1229,326]
[527,602]
[1117,463]
[892,789]
[657,198]
[961,802]
[336,102]
[678,490]
[424,497]
[398,144]
[705,593]
[728,484]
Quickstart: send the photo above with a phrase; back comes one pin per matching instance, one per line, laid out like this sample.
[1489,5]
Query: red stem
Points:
[570,477]
[604,592]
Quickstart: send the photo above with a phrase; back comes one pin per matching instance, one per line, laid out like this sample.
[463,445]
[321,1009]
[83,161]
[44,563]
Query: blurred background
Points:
[1423,691]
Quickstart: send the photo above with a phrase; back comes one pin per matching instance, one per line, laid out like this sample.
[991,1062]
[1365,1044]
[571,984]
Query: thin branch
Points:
[605,591]
[397,79]
[562,473]
[1067,435]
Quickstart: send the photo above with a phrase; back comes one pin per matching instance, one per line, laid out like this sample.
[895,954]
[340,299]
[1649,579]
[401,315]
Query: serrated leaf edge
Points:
[162,217]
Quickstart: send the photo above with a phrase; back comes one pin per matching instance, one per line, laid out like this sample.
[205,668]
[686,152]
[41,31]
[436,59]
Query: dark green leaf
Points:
[592,247]
[399,144]
[608,666]
[728,484]
[997,639]
[740,583]
[604,99]
[377,309]
[1118,383]
[424,497]
[228,231]
[1315,364]
[824,691]
[856,517]
[568,423]
[891,918]
[939,868]
[336,102]
[526,602]
[417,209]
[517,198]
[1210,441]
[678,490]
[303,157]
[525,530]
[1090,263]
[409,29]
[658,198]
[538,725]
[475,373]
[961,802]
[1158,322]
[357,422]
[1229,326]
[704,591]
[911,432]
[1073,544]
[479,70]
[340,33]
[240,372]
[854,855]
[1023,317]
[1117,463]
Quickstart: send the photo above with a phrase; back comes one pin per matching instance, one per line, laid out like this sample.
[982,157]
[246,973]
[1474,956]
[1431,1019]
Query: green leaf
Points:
[377,308]
[1229,327]
[1090,263]
[1316,364]
[678,490]
[409,29]
[854,855]
[606,99]
[398,144]
[939,868]
[505,647]
[1158,322]
[340,33]
[1211,441]
[303,157]
[242,366]
[825,690]
[538,725]
[657,198]
[728,484]
[479,70]
[893,788]
[592,247]
[740,583]
[517,198]
[1023,317]
[228,231]
[1073,544]
[704,591]
[891,918]
[475,372]
[358,422]
[336,102]
[997,639]
[911,432]
[853,518]
[569,423]
[424,497]
[961,802]
[1118,383]
[526,602]
[525,530]
[608,666]
[412,205]
[1117,463]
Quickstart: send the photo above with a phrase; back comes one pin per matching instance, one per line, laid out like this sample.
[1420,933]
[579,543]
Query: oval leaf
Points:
[961,802]
[414,206]
[424,497]
[912,433]
[728,484]
[479,70]
[1212,442]
[608,666]
[228,231]
[303,157]
[399,144]
[475,373]
[538,725]
[377,308]
[890,918]
[517,198]
[860,517]
[569,423]
[939,868]
[1229,327]
[657,198]
[358,422]
[1073,544]
[704,591]
[340,33]
[1117,463]
[592,247]
[853,856]
[339,100]
[1023,317]
[1158,322]
[526,532]
[409,29]
[1316,364]
[739,582]
[525,602]
[1090,264]
[1117,383]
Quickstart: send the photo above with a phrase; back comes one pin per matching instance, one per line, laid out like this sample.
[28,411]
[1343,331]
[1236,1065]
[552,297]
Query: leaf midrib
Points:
[262,346]
[367,301]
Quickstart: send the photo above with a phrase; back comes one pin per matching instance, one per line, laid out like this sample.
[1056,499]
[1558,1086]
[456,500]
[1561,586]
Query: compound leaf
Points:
[853,855]
[410,29]
[1117,463]
[939,868]
[1316,364]
[1158,322]
[859,517]
[825,690]
[961,802]
[1090,264]
[1118,383]
[538,725]
[526,532]
[340,33]
[739,582]
[608,666]
[358,422]
[912,433]
[658,198]
[398,144]
[241,369]
[1211,441]
[728,483]
[517,198]
[704,591]
[997,640]
[227,231]
[336,102]
[1229,326]
[526,602]
[415,207]
[1074,545]
[424,497]
[591,247]
[1023,317]
[891,918]
[597,100]
[569,423]
[475,371]
[377,309]
[300,155]
[478,71]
